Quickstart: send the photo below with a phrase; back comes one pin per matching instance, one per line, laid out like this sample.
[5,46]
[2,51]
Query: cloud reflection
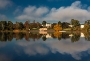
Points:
[5,58]
[74,49]
[63,47]
[33,48]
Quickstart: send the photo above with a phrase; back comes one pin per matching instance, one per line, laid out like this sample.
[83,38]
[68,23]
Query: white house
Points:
[48,25]
[71,25]
[43,29]
[81,26]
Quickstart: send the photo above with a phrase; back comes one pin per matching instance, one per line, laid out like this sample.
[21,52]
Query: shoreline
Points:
[16,31]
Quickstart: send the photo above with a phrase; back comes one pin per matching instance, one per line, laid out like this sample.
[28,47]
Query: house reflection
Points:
[75,36]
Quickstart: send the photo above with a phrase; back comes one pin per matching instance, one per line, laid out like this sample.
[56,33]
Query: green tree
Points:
[17,25]
[75,23]
[10,25]
[21,26]
[3,25]
[65,25]
[59,23]
[38,25]
[44,23]
[86,27]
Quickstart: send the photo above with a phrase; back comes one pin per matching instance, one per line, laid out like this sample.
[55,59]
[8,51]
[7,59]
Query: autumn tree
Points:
[57,27]
[26,25]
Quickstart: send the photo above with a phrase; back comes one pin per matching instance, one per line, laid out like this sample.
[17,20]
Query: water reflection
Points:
[54,47]
[76,50]
[74,36]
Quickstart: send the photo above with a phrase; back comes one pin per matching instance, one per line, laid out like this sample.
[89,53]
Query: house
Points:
[48,25]
[43,29]
[82,26]
[71,25]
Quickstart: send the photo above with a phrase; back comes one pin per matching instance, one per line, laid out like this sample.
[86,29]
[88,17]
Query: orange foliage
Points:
[57,34]
[57,27]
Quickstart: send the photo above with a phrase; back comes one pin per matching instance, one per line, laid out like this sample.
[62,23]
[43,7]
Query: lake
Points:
[44,46]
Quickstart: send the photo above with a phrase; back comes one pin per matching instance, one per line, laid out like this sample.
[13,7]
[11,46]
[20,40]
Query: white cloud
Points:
[2,17]
[5,3]
[31,12]
[75,11]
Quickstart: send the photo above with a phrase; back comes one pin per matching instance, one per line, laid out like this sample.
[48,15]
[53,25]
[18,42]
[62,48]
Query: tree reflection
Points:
[65,35]
[87,35]
[8,36]
[44,38]
[3,36]
[35,36]
[19,36]
[75,37]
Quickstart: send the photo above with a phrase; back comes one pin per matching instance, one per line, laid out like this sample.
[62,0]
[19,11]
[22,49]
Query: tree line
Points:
[8,25]
[4,25]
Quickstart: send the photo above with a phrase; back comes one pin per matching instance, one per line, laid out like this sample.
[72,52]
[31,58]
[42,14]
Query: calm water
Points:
[71,46]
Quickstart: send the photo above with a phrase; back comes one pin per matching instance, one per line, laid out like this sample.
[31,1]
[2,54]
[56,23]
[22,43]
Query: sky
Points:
[48,10]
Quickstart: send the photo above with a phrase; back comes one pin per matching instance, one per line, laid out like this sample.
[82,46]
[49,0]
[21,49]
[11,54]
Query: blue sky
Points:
[49,10]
